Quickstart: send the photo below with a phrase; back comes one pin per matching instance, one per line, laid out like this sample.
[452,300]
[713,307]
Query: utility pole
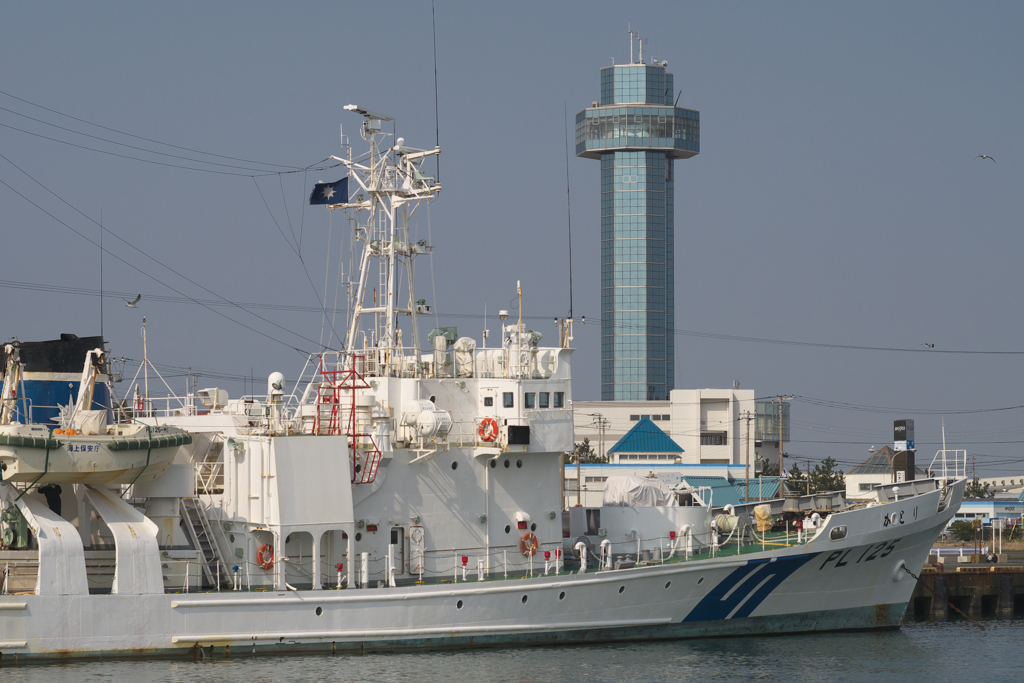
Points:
[808,475]
[601,422]
[746,496]
[974,473]
[782,483]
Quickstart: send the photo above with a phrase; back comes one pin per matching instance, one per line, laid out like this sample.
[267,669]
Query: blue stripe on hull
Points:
[740,593]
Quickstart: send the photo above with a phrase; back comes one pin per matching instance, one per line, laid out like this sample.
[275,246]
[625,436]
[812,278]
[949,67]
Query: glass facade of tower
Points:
[637,146]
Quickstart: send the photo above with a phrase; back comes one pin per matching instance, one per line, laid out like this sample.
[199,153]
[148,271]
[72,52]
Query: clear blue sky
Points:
[837,198]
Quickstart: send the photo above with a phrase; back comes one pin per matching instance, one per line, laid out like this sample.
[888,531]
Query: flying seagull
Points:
[131,304]
[985,156]
[930,346]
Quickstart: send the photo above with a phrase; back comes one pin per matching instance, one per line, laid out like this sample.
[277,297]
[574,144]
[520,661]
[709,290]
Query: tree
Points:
[768,468]
[976,490]
[962,531]
[797,481]
[586,455]
[825,477]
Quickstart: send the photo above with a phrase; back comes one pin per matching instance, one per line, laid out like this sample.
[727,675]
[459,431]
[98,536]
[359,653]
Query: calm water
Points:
[925,651]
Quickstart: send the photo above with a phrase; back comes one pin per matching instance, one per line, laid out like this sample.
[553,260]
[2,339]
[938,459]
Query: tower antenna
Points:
[437,141]
[101,274]
[568,203]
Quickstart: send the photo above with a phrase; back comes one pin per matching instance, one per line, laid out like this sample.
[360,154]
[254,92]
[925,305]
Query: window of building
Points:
[559,399]
[595,480]
[866,487]
[488,401]
[713,438]
[634,418]
[666,417]
[531,400]
[507,399]
[543,399]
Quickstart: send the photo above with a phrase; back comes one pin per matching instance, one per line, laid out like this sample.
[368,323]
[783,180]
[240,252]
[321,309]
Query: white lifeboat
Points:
[119,454]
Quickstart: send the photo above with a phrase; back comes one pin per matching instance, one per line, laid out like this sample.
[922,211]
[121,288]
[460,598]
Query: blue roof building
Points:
[645,441]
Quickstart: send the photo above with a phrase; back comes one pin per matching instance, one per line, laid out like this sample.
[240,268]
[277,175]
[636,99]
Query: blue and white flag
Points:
[330,193]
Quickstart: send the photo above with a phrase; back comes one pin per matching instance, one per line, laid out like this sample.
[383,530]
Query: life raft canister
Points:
[488,429]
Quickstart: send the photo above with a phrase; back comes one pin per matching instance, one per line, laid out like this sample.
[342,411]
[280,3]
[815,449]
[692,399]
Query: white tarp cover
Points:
[464,348]
[622,490]
[90,422]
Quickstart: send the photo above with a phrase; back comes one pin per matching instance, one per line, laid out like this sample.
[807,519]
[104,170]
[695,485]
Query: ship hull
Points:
[855,583]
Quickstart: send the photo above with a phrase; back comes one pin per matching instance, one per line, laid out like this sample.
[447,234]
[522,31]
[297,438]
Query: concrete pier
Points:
[976,590]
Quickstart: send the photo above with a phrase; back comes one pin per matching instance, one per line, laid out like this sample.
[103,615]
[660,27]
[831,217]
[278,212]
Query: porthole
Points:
[507,528]
[231,538]
[455,465]
[506,464]
[319,611]
[359,536]
[358,468]
[519,464]
[533,527]
[667,584]
[458,605]
[561,596]
[494,463]
[700,580]
[622,588]
[525,598]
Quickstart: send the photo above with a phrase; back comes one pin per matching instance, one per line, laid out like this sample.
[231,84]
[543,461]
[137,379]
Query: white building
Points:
[713,426]
[877,469]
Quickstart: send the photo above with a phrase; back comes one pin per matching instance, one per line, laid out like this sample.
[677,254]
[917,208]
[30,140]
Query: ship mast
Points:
[394,186]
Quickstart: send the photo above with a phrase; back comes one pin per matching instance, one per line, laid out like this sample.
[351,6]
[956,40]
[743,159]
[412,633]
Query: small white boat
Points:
[87,451]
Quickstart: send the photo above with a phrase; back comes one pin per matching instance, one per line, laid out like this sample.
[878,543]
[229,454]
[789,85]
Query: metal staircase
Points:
[200,531]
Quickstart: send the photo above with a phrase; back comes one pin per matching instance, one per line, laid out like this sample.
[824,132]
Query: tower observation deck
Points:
[636,132]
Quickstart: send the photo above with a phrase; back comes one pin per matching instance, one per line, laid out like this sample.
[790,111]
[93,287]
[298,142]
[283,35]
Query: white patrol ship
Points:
[399,499]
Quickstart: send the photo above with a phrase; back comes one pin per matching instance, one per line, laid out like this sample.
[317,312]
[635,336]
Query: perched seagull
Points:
[930,346]
[985,156]
[131,304]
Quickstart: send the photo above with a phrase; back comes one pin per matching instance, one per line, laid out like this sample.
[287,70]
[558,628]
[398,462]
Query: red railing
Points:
[329,416]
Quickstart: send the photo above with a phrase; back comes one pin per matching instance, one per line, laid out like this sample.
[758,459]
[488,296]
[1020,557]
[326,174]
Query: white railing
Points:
[954,466]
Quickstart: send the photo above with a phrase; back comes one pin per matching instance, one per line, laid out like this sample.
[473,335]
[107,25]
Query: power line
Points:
[157,280]
[137,137]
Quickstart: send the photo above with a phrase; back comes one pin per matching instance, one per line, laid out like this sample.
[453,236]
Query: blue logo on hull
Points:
[740,593]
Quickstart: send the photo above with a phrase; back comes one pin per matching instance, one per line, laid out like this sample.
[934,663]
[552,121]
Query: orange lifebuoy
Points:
[265,557]
[528,544]
[488,429]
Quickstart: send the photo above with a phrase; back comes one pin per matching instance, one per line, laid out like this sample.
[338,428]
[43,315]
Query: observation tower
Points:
[636,132]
